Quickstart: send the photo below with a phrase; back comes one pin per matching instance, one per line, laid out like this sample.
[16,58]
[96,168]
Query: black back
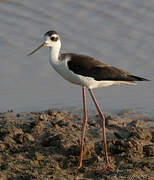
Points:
[90,67]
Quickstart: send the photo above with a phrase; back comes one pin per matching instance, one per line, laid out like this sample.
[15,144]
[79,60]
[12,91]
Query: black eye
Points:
[52,38]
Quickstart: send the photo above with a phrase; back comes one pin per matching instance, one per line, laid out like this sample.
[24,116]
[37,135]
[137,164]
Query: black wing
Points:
[90,67]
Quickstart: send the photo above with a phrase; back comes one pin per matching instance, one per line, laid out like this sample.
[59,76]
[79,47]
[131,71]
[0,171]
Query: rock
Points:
[19,138]
[38,156]
[2,146]
[28,138]
[52,140]
[128,146]
[149,150]
[3,176]
[44,117]
[140,133]
[14,131]
[135,123]
[135,146]
[8,139]
[38,128]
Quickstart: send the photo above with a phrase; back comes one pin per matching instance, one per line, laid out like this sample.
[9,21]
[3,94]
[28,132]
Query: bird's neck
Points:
[54,54]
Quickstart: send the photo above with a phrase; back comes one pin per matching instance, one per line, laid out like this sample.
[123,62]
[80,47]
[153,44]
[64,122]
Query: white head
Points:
[51,39]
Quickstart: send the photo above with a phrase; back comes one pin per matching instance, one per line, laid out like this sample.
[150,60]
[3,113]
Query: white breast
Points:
[89,82]
[61,68]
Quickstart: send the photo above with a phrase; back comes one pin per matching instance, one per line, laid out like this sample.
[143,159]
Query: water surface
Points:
[118,32]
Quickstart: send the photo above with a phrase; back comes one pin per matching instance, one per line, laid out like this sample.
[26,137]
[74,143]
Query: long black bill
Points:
[41,46]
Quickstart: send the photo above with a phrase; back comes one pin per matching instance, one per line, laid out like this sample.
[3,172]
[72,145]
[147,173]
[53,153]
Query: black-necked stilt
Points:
[89,73]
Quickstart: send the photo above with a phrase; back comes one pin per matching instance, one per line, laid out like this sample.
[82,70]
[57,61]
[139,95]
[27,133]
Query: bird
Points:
[89,73]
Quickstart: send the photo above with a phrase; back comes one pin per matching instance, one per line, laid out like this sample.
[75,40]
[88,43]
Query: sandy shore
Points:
[45,145]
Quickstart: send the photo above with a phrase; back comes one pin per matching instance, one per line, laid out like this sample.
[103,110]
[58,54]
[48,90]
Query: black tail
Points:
[136,78]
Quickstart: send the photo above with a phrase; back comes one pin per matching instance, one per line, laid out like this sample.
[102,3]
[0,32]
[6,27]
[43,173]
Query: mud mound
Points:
[47,145]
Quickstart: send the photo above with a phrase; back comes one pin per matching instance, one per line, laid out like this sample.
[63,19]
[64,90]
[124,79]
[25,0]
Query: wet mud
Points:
[46,145]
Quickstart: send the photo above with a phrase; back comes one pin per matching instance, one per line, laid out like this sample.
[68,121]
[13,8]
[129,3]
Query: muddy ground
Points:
[46,145]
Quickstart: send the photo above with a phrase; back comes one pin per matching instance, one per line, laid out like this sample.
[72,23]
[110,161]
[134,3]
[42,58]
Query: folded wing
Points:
[90,67]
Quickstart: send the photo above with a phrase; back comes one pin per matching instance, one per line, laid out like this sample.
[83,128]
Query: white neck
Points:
[54,53]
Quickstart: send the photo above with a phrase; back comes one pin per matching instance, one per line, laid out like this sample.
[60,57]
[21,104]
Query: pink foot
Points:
[78,167]
[108,167]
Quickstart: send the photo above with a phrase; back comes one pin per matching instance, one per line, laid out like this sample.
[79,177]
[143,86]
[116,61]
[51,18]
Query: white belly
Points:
[88,82]
[63,70]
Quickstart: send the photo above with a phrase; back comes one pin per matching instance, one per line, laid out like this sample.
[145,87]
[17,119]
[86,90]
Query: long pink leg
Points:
[84,127]
[108,166]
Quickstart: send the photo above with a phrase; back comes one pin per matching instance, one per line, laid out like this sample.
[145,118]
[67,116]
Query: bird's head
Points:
[51,39]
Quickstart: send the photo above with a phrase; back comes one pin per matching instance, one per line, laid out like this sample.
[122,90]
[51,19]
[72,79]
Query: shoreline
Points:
[45,145]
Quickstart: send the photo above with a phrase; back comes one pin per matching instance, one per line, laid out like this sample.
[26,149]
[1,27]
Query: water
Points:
[119,32]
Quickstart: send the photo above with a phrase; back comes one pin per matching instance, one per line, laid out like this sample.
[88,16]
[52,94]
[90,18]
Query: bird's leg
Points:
[108,166]
[84,127]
